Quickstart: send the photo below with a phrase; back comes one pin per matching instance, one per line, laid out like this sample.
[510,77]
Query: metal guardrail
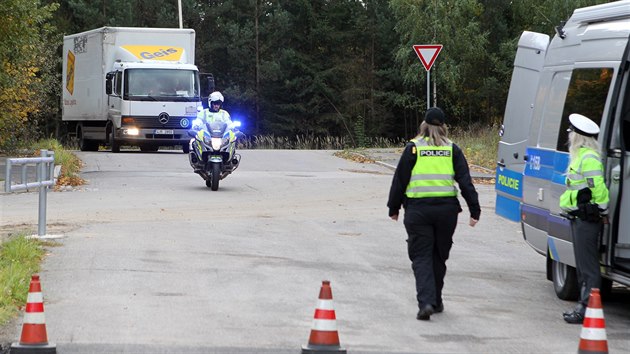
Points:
[45,167]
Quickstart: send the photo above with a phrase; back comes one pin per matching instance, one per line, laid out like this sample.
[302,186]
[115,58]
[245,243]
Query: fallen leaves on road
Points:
[353,156]
[68,181]
[488,181]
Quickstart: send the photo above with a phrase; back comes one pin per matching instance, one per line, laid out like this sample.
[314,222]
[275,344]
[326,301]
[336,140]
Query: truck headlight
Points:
[131,131]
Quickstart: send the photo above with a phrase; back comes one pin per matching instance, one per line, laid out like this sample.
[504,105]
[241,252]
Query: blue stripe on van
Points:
[508,208]
[539,163]
[560,164]
[510,182]
[552,225]
[546,164]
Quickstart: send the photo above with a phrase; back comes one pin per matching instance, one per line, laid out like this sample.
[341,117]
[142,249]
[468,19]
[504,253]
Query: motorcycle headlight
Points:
[207,139]
[216,143]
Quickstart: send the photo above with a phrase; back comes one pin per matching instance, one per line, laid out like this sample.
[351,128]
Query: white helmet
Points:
[215,96]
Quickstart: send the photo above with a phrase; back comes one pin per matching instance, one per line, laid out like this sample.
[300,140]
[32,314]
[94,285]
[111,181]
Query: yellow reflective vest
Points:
[586,171]
[433,174]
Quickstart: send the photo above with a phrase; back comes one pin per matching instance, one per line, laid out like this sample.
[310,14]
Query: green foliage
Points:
[292,68]
[23,55]
[19,259]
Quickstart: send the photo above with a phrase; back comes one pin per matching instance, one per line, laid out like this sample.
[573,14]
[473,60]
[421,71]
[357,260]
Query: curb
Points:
[491,173]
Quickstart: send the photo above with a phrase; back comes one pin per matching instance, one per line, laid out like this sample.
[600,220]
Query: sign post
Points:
[427,54]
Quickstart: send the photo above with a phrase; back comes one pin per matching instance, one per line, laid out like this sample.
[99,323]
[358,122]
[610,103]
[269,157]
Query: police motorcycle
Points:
[213,151]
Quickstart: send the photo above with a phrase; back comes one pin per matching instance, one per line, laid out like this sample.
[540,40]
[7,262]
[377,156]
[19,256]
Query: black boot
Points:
[575,317]
[425,313]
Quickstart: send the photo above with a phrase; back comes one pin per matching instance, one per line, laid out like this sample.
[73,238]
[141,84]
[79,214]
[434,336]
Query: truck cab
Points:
[584,69]
[151,105]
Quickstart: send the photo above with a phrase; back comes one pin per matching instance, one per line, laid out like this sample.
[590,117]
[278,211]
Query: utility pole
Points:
[179,7]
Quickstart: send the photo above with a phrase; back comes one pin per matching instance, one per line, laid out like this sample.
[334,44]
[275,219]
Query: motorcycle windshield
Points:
[216,129]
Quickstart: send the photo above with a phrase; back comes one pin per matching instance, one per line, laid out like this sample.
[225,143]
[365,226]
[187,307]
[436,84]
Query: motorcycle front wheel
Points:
[216,176]
[213,181]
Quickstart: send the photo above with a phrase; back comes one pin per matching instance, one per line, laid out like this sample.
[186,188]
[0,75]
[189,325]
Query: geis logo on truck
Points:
[155,52]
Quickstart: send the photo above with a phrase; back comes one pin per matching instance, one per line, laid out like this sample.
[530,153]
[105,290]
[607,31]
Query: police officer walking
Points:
[424,184]
[586,202]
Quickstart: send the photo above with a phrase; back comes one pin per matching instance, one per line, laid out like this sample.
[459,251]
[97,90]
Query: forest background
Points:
[292,68]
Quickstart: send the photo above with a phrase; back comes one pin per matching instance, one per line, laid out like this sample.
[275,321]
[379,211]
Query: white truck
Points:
[131,86]
[585,69]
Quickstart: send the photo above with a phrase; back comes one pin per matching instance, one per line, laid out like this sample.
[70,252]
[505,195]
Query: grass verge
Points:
[69,162]
[19,259]
[479,145]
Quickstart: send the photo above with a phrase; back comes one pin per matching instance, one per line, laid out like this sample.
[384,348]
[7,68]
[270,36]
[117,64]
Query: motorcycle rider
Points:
[213,113]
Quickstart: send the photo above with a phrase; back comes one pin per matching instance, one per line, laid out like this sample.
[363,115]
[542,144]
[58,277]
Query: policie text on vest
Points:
[442,153]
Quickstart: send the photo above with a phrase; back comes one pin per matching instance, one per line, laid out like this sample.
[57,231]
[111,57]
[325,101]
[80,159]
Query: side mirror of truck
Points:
[109,83]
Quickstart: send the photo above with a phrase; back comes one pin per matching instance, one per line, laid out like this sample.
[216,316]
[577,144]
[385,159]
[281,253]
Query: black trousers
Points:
[430,231]
[586,252]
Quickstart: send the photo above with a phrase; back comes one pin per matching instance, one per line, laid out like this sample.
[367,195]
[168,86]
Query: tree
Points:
[24,73]
[456,25]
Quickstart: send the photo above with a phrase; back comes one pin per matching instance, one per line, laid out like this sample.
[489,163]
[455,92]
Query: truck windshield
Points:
[161,85]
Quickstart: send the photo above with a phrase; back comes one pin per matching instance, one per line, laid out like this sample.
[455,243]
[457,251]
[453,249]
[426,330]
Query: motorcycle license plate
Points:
[163,131]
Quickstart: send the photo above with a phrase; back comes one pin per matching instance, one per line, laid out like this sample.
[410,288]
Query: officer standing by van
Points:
[586,202]
[424,184]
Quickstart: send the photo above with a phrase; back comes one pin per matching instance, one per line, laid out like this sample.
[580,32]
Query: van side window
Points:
[587,95]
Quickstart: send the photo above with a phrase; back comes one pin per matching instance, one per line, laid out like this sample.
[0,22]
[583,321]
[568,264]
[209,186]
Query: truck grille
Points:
[154,123]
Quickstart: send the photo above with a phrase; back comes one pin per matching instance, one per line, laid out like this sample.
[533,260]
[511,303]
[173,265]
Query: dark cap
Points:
[434,116]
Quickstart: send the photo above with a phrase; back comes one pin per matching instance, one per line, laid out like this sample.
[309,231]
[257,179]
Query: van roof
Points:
[604,12]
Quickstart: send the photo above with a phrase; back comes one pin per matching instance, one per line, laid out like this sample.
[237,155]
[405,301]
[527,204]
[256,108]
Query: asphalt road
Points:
[152,261]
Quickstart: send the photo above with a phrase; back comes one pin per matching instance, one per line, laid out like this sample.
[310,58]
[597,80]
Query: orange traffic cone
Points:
[324,337]
[34,338]
[593,336]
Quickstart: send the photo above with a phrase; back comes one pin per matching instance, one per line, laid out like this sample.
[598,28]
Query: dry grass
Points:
[479,144]
[70,164]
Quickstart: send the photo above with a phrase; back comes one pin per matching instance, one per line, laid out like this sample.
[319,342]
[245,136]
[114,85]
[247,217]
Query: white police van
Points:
[584,69]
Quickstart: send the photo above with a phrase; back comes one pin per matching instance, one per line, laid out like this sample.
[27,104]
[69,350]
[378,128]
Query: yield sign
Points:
[427,54]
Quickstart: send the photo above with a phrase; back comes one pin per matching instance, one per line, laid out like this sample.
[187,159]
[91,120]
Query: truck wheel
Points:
[564,279]
[84,144]
[115,145]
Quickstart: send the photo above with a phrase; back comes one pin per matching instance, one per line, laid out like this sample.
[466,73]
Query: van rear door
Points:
[528,64]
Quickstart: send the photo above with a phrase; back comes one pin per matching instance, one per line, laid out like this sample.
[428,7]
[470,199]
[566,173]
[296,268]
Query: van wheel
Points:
[606,288]
[564,279]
